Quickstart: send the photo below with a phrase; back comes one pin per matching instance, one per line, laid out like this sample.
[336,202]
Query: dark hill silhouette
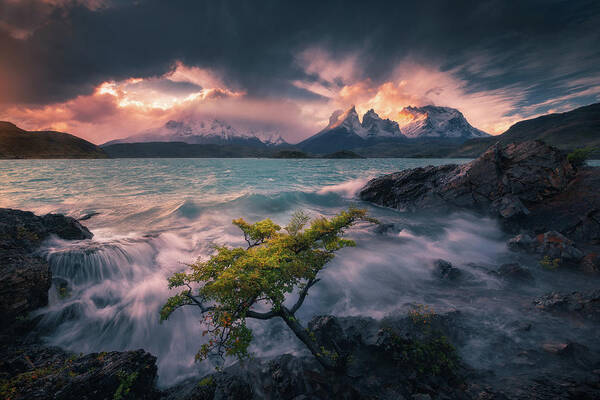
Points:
[19,143]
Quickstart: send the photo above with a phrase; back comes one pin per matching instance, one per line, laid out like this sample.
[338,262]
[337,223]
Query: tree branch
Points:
[257,315]
[303,294]
[197,302]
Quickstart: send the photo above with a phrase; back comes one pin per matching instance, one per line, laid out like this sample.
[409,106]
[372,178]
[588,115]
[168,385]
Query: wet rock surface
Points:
[503,181]
[24,277]
[584,305]
[550,244]
[32,371]
[445,271]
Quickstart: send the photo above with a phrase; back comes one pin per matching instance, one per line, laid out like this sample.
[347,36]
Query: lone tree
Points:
[227,287]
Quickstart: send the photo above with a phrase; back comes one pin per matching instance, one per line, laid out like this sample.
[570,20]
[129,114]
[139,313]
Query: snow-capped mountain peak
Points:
[192,127]
[375,126]
[372,125]
[348,120]
[434,121]
[212,131]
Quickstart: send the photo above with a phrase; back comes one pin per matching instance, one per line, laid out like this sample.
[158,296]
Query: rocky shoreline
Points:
[549,207]
[28,368]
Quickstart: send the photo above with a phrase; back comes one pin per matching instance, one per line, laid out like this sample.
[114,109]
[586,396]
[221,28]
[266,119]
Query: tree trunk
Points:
[302,334]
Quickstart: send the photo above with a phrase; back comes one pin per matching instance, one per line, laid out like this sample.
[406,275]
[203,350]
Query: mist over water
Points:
[154,216]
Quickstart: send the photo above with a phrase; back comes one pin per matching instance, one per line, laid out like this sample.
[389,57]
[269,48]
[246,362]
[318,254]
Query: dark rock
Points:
[523,242]
[328,332]
[446,271]
[555,245]
[590,263]
[38,372]
[514,272]
[24,284]
[556,250]
[503,181]
[88,216]
[575,212]
[223,385]
[24,277]
[25,230]
[584,305]
[383,229]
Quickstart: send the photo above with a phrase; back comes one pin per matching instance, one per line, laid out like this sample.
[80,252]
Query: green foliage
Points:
[126,383]
[550,263]
[422,315]
[24,233]
[426,351]
[434,356]
[63,291]
[206,381]
[22,317]
[578,157]
[276,262]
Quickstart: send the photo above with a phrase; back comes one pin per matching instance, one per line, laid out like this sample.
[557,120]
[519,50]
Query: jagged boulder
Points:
[582,304]
[445,271]
[550,244]
[25,230]
[503,181]
[514,272]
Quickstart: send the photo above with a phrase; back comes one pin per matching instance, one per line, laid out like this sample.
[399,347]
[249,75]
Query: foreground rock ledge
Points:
[24,277]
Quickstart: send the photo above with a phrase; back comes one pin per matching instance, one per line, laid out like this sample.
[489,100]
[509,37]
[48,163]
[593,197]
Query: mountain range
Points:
[423,124]
[214,131]
[426,132]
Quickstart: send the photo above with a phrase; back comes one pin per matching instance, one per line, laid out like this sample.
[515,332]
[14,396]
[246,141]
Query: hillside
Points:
[567,131]
[17,143]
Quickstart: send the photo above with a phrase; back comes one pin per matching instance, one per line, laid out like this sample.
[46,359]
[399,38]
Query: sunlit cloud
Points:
[122,108]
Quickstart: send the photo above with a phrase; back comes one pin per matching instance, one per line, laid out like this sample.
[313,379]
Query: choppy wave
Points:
[348,189]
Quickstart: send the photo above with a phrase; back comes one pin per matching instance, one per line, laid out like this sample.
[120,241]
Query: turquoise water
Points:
[155,215]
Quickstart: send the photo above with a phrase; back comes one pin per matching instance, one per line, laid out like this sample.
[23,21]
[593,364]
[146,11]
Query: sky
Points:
[107,69]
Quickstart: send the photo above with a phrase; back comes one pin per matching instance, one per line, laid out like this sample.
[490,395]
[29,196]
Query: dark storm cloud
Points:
[536,46]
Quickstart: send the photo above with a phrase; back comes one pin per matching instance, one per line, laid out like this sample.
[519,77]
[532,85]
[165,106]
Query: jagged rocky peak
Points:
[372,125]
[345,119]
[376,126]
[434,121]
